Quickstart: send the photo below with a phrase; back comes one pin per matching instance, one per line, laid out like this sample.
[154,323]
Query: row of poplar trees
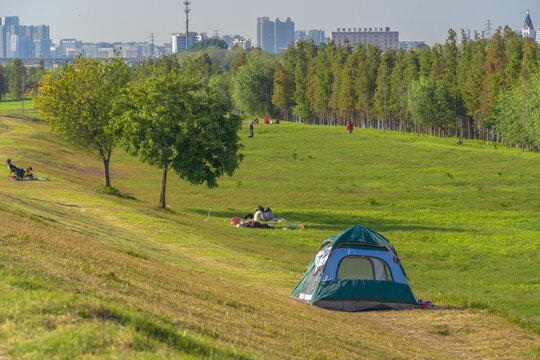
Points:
[18,80]
[481,88]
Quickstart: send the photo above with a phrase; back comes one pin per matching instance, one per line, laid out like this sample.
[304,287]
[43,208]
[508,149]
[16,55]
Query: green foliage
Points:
[516,115]
[205,44]
[111,190]
[282,98]
[220,85]
[201,69]
[432,102]
[173,123]
[76,102]
[17,78]
[253,87]
[3,82]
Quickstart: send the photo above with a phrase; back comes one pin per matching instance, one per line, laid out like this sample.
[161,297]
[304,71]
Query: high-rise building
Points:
[383,38]
[229,39]
[10,20]
[284,34]
[528,28]
[317,36]
[274,36]
[178,41]
[300,35]
[244,44]
[538,35]
[21,40]
[266,34]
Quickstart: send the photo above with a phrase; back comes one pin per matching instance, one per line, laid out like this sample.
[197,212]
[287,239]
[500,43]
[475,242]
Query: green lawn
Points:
[465,221]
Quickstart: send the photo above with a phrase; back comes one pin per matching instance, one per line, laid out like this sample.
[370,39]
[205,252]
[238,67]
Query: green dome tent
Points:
[355,270]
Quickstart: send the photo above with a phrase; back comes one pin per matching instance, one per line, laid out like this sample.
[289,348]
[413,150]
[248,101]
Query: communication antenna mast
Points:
[151,44]
[187,10]
[488,29]
[216,33]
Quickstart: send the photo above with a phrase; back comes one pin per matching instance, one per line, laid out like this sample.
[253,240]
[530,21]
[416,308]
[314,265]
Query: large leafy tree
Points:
[176,124]
[76,102]
[253,87]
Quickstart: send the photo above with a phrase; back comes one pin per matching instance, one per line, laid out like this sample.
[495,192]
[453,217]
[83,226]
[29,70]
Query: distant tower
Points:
[187,10]
[488,29]
[528,28]
[151,44]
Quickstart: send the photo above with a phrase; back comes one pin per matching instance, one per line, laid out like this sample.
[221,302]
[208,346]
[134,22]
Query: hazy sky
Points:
[134,20]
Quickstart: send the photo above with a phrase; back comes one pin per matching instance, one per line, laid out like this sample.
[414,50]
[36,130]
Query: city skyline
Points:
[124,21]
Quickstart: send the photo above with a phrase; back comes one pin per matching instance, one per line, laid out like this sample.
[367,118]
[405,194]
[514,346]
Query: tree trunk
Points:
[107,176]
[162,194]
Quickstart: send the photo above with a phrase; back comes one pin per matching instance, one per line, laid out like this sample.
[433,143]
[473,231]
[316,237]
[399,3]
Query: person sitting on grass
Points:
[268,216]
[251,216]
[20,173]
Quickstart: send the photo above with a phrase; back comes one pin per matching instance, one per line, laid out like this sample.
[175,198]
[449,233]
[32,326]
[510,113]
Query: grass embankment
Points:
[86,273]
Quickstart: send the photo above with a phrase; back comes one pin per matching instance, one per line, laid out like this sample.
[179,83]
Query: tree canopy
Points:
[207,43]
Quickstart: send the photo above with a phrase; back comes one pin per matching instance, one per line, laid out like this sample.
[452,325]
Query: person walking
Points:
[350,128]
[251,129]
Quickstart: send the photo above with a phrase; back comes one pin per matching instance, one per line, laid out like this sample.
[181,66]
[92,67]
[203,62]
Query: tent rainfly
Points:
[356,270]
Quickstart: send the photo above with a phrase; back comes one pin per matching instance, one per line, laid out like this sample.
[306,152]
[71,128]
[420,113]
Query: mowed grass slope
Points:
[83,273]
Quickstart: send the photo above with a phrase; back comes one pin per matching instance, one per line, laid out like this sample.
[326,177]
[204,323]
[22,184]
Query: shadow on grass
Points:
[55,203]
[324,220]
[162,331]
[114,192]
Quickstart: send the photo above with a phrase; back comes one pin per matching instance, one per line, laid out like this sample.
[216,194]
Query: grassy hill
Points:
[88,274]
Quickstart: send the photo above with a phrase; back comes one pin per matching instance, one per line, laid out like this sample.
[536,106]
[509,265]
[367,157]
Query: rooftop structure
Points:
[381,37]
[528,28]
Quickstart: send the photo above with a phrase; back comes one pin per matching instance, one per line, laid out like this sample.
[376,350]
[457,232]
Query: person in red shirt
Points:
[350,128]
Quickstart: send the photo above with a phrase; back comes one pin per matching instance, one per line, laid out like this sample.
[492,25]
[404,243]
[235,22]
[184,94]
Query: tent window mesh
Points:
[311,281]
[363,268]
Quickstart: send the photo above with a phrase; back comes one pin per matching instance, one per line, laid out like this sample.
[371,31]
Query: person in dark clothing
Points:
[20,173]
[251,129]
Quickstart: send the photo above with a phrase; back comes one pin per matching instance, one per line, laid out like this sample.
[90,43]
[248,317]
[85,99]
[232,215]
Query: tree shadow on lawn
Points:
[323,220]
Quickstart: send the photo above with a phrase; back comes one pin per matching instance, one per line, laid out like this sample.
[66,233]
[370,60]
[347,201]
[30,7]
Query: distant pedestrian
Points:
[459,142]
[251,129]
[350,128]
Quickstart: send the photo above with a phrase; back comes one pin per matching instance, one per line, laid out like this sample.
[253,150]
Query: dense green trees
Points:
[205,44]
[433,103]
[329,84]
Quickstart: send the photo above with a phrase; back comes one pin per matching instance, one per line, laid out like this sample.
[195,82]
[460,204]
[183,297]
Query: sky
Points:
[134,20]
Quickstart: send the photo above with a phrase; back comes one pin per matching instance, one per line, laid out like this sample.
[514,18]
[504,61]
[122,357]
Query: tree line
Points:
[480,88]
[18,80]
